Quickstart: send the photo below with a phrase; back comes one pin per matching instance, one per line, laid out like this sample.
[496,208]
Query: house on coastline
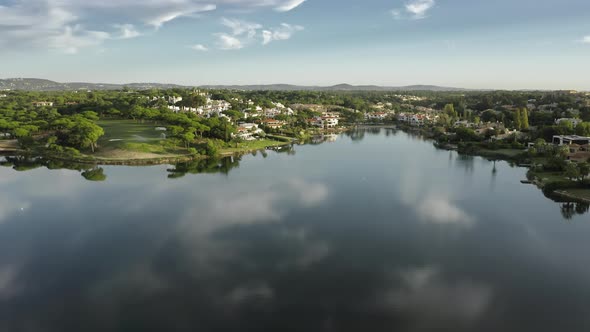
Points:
[42,103]
[246,131]
[578,146]
[416,119]
[273,124]
[379,116]
[570,139]
[326,121]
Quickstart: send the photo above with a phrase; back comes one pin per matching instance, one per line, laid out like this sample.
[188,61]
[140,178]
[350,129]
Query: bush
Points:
[212,150]
[71,152]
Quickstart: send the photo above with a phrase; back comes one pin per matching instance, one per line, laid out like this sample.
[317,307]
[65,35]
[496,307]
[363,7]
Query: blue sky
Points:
[504,44]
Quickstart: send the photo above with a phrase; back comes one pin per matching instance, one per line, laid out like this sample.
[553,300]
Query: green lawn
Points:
[128,139]
[580,193]
[117,133]
[131,139]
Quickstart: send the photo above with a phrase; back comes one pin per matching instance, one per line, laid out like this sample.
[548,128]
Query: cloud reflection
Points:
[423,292]
[439,210]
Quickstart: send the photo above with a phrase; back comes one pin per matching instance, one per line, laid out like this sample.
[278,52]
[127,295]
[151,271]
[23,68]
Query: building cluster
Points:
[406,98]
[327,120]
[257,111]
[379,116]
[247,131]
[211,108]
[382,106]
[417,119]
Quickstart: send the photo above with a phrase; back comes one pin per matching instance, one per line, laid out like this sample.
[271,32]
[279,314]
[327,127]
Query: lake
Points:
[374,230]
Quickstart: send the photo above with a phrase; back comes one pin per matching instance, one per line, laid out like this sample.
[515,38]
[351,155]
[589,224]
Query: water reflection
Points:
[291,242]
[571,209]
[94,174]
[211,165]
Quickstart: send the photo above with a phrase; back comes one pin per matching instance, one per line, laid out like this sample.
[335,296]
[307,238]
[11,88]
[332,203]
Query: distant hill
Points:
[339,87]
[36,84]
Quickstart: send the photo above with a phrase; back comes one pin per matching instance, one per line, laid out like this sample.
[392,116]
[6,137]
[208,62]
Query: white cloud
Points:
[127,31]
[284,32]
[168,16]
[239,28]
[73,38]
[418,8]
[243,33]
[288,5]
[55,23]
[586,40]
[228,42]
[200,47]
[414,9]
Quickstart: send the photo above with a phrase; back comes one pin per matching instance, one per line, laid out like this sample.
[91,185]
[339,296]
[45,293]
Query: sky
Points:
[480,44]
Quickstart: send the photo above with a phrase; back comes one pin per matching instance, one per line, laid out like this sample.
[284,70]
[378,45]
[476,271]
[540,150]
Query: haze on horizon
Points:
[502,44]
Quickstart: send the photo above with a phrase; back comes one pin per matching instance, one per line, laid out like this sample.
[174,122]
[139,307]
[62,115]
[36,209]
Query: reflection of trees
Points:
[211,165]
[21,163]
[467,162]
[571,209]
[94,174]
[356,135]
[24,163]
[288,149]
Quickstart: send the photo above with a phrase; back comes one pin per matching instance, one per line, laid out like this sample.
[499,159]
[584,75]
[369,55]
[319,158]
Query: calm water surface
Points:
[377,231]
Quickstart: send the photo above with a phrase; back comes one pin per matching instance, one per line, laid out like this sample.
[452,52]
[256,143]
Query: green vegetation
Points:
[250,146]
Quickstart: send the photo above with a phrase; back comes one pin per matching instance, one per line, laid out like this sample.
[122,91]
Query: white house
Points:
[380,116]
[570,139]
[173,100]
[246,131]
[43,104]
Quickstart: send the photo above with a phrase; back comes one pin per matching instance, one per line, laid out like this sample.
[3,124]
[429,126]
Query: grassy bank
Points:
[127,142]
[556,183]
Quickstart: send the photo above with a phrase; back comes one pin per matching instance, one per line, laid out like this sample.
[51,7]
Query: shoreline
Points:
[499,155]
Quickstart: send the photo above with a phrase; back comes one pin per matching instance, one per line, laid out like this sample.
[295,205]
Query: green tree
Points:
[583,129]
[188,138]
[584,169]
[450,111]
[517,119]
[85,134]
[524,118]
[571,171]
